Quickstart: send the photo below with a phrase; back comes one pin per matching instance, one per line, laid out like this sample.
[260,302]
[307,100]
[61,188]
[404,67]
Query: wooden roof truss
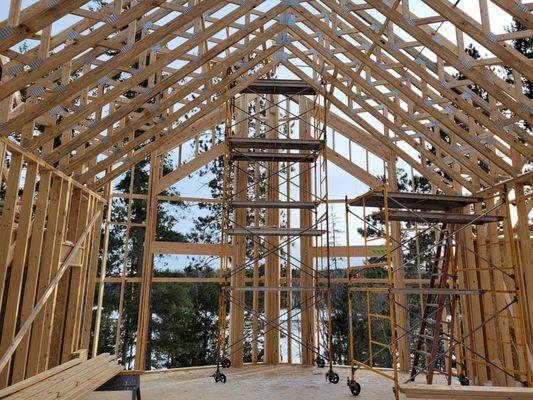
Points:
[135,77]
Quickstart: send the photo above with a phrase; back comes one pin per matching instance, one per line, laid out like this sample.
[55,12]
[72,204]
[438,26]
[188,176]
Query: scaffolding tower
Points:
[462,276]
[260,159]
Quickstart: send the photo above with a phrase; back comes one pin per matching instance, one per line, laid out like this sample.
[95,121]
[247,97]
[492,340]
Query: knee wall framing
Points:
[48,262]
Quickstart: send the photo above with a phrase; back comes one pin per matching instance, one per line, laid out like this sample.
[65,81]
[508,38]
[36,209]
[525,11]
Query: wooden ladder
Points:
[434,306]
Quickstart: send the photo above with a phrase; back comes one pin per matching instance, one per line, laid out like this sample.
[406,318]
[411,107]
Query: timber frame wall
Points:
[70,127]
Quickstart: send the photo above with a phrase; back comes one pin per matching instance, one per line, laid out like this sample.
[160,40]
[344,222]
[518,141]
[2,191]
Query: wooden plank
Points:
[417,391]
[285,144]
[187,169]
[238,191]
[272,219]
[96,243]
[53,221]
[17,387]
[202,249]
[354,251]
[273,204]
[272,231]
[353,169]
[274,157]
[54,260]
[7,221]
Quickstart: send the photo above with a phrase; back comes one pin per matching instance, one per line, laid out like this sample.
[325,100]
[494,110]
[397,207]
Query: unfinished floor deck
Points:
[261,382]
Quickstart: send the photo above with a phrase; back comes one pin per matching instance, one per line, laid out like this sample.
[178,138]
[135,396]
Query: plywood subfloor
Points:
[259,382]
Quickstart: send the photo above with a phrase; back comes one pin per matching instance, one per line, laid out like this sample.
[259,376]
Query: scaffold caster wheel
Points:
[219,377]
[464,381]
[332,377]
[225,363]
[320,362]
[354,386]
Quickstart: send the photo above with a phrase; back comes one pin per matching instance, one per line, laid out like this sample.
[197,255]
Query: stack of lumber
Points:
[74,379]
[466,392]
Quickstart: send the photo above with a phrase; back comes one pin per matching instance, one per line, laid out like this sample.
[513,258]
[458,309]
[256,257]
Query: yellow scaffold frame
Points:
[381,287]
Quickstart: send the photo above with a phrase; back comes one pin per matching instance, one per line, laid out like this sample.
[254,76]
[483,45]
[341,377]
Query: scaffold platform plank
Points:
[273,204]
[274,157]
[416,201]
[286,144]
[288,87]
[436,217]
[267,231]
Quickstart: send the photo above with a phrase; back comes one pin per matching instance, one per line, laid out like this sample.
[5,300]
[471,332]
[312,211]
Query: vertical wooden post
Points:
[526,256]
[33,262]
[306,257]
[103,272]
[257,217]
[498,277]
[57,242]
[237,280]
[402,324]
[92,266]
[272,268]
[62,295]
[17,267]
[143,325]
[77,283]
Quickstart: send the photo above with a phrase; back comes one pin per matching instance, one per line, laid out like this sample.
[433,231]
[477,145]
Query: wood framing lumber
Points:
[39,17]
[163,141]
[353,169]
[201,249]
[188,168]
[185,90]
[26,325]
[368,127]
[438,115]
[418,391]
[355,251]
[410,140]
[485,79]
